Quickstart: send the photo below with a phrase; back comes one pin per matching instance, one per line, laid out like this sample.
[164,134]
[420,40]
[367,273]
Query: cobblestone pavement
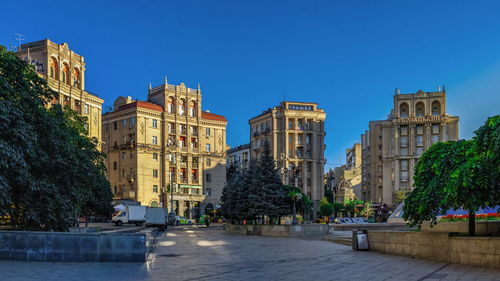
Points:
[190,253]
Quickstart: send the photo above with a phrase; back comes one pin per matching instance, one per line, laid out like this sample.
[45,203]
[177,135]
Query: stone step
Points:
[339,240]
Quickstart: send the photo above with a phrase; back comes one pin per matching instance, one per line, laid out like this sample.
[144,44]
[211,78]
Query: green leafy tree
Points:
[463,174]
[399,196]
[325,207]
[50,172]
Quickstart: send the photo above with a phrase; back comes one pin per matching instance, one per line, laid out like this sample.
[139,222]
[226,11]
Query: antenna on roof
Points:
[19,39]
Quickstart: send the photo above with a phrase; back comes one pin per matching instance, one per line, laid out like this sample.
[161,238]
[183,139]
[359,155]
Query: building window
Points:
[404,175]
[404,130]
[209,162]
[419,151]
[207,147]
[404,141]
[435,139]
[208,177]
[154,123]
[124,123]
[209,192]
[155,156]
[124,155]
[435,128]
[115,125]
[86,108]
[115,189]
[404,151]
[115,165]
[207,131]
[182,141]
[404,164]
[155,173]
[308,181]
[155,188]
[132,122]
[420,140]
[155,140]
[420,109]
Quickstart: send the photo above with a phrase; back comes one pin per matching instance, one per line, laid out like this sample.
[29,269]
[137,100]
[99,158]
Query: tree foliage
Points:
[255,192]
[50,172]
[325,207]
[462,174]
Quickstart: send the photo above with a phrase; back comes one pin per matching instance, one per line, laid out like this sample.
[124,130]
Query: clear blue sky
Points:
[348,56]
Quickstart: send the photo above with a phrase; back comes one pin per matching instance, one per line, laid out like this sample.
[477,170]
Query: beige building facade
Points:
[64,71]
[348,177]
[392,147]
[296,134]
[166,151]
[239,156]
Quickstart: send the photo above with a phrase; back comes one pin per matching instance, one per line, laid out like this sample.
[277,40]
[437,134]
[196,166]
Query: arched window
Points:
[65,74]
[171,105]
[76,78]
[182,107]
[420,109]
[54,68]
[193,109]
[436,108]
[403,110]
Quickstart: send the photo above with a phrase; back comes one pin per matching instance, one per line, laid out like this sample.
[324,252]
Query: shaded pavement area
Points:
[199,253]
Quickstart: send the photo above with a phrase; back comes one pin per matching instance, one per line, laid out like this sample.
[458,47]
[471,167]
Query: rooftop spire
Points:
[199,87]
[150,87]
[166,80]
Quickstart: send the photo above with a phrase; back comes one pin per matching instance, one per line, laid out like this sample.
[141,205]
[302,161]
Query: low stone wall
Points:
[482,227]
[284,230]
[65,246]
[371,226]
[482,251]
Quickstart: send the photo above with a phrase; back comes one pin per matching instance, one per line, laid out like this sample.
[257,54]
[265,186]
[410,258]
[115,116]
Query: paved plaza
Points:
[190,253]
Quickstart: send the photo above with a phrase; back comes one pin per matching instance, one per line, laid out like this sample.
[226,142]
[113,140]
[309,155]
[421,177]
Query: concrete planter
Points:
[482,251]
[65,246]
[286,230]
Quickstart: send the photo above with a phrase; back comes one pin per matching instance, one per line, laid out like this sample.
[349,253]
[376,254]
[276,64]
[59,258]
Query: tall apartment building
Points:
[166,151]
[392,147]
[64,71]
[296,133]
[348,177]
[239,156]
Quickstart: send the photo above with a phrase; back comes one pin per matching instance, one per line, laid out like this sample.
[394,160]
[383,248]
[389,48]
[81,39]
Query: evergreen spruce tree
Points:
[267,195]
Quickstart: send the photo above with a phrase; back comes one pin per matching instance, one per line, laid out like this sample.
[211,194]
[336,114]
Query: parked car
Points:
[182,221]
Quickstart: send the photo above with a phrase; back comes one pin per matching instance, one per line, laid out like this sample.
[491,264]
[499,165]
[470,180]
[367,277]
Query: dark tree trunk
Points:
[472,223]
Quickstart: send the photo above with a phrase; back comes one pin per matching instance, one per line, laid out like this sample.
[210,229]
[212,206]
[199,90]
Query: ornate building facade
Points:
[392,147]
[296,133]
[64,71]
[166,151]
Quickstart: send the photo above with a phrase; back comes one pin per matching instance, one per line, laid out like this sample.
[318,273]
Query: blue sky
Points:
[348,56]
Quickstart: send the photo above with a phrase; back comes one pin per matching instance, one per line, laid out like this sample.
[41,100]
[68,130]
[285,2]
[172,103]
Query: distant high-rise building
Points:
[64,71]
[391,148]
[296,133]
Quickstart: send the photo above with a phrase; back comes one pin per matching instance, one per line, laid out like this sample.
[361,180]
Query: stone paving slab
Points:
[198,253]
